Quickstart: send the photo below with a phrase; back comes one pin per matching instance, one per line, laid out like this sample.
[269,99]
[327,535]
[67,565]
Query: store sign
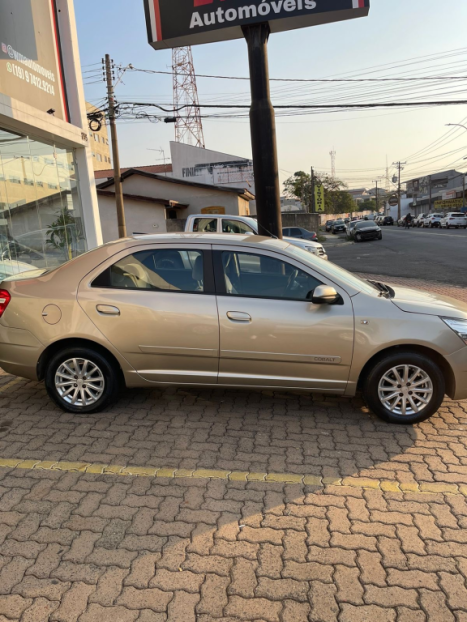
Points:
[453,204]
[449,194]
[174,23]
[30,67]
[319,199]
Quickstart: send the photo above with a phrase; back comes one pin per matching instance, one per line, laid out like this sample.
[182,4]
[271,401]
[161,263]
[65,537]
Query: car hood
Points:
[428,303]
[301,243]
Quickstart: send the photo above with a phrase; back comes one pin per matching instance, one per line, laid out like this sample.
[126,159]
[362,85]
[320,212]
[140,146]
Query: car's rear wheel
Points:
[82,380]
[404,387]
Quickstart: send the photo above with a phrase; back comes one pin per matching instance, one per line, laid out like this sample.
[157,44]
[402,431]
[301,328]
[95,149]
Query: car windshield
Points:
[339,222]
[332,269]
[366,224]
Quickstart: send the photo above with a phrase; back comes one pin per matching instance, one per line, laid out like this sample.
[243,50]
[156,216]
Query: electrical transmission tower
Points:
[188,127]
[333,163]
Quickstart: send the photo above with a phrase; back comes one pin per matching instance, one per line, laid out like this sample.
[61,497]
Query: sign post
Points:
[263,133]
[176,23]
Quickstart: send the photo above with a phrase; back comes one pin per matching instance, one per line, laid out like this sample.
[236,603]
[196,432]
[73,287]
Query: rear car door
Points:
[157,306]
[270,333]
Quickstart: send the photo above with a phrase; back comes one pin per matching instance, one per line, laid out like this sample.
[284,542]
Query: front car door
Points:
[270,332]
[156,305]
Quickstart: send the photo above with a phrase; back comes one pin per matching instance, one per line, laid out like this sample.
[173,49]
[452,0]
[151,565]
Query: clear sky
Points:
[403,38]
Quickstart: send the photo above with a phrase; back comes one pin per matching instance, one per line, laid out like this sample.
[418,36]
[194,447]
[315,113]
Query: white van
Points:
[454,219]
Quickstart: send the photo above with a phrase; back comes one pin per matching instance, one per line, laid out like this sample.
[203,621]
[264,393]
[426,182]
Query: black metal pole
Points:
[263,133]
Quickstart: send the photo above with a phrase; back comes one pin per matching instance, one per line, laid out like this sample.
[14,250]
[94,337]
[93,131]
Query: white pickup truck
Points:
[220,223]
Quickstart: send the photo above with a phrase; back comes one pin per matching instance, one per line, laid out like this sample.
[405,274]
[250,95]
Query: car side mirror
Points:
[324,295]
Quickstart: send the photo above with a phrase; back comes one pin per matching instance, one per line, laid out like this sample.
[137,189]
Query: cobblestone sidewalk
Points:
[358,521]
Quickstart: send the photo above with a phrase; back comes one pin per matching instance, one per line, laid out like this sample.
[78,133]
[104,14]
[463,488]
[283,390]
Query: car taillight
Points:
[4,300]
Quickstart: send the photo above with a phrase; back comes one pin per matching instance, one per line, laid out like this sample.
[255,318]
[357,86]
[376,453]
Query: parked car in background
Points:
[418,222]
[387,221]
[220,223]
[433,220]
[10,267]
[300,233]
[350,226]
[329,224]
[338,226]
[366,230]
[454,220]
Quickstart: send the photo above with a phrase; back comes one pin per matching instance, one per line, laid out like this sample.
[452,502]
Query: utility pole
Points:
[376,182]
[399,169]
[116,157]
[312,197]
[429,181]
[463,194]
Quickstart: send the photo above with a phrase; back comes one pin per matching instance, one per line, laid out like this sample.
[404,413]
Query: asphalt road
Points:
[428,254]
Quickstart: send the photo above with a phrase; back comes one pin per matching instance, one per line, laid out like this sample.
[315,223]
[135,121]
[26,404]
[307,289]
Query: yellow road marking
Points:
[366,483]
[10,384]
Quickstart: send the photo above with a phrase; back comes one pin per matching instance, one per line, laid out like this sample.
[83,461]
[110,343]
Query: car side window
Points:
[235,226]
[296,231]
[259,276]
[156,270]
[205,225]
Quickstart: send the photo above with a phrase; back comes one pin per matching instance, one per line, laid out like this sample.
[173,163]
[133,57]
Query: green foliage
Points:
[368,205]
[63,233]
[337,200]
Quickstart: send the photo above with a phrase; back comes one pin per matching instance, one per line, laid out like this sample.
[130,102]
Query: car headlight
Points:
[458,326]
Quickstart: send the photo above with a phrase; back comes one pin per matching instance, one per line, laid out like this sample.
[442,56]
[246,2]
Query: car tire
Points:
[380,237]
[374,382]
[358,238]
[104,374]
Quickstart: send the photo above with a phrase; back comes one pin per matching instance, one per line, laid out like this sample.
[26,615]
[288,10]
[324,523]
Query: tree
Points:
[367,205]
[336,199]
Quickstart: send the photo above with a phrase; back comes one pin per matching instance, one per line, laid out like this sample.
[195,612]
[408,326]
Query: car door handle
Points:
[107,310]
[238,316]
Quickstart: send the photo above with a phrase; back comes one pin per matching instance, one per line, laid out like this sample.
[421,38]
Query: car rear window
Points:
[457,215]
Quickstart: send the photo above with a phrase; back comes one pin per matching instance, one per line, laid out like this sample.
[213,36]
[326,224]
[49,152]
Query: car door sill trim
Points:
[321,359]
[226,376]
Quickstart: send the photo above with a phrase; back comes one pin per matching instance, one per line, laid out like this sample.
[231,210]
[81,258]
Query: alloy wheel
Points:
[79,382]
[405,390]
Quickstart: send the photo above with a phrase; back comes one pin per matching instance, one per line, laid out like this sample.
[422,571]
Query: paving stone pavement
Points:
[83,547]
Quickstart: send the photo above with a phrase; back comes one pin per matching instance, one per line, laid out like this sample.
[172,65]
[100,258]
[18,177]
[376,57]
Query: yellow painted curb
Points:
[325,483]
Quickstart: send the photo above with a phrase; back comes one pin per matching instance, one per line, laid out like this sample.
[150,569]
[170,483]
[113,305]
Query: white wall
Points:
[185,156]
[141,217]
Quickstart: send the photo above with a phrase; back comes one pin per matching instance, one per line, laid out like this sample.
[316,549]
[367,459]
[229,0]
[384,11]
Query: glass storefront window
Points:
[41,221]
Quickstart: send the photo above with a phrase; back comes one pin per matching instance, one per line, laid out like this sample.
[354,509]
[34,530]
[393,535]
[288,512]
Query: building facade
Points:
[439,192]
[99,142]
[48,202]
[157,203]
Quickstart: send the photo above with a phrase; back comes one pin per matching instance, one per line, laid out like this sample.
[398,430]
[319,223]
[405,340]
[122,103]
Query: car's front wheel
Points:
[404,387]
[82,380]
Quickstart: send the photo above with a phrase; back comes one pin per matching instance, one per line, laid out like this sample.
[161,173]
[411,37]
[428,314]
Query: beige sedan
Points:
[229,311]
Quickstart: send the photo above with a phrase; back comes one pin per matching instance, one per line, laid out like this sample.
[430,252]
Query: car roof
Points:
[254,241]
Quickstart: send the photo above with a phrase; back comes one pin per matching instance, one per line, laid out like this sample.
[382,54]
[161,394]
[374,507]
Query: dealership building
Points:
[48,202]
